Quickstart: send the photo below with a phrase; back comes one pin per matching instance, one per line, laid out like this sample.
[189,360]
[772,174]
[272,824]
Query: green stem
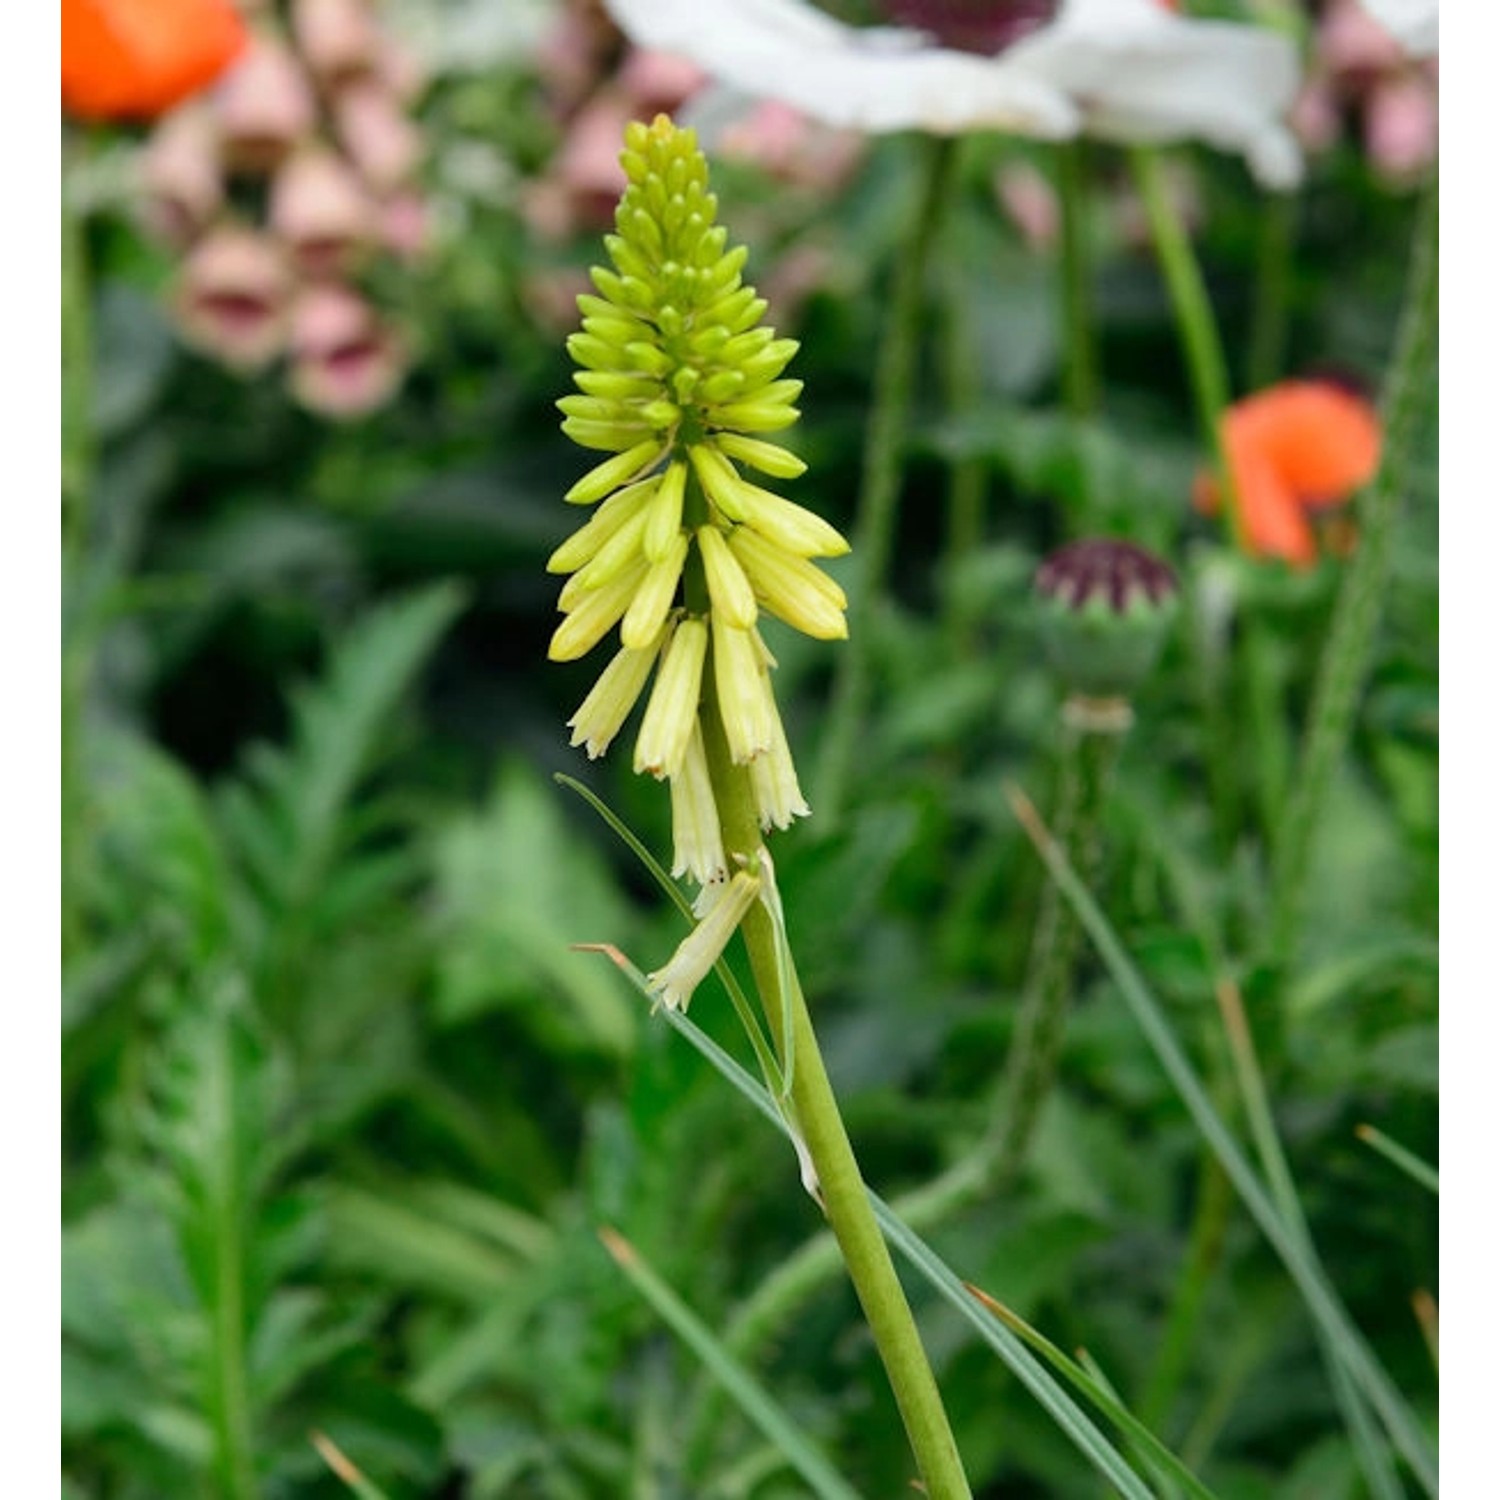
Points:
[844,1197]
[880,484]
[1204,1252]
[1081,367]
[1195,320]
[998,1151]
[1268,314]
[968,475]
[229,1395]
[78,461]
[1370,1448]
[1089,751]
[1346,654]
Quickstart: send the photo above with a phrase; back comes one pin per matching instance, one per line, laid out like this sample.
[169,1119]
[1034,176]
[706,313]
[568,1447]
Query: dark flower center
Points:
[985,26]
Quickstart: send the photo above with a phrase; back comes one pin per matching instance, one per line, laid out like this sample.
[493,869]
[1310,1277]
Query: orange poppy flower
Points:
[1301,446]
[136,59]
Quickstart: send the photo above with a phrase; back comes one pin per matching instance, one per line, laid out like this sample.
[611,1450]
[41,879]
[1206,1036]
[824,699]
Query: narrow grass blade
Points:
[1425,1307]
[1301,1263]
[752,1398]
[1068,1416]
[1370,1447]
[344,1468]
[1399,1156]
[1090,1383]
[764,1055]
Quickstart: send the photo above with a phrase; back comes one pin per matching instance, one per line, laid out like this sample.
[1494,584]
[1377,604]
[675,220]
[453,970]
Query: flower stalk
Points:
[1346,654]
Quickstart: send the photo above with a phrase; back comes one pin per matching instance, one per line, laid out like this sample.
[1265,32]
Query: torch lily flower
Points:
[1122,70]
[1298,447]
[136,59]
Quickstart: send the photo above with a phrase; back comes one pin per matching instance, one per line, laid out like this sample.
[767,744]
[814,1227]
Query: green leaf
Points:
[752,1398]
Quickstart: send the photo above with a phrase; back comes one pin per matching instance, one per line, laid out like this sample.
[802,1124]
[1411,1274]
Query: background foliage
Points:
[343,1112]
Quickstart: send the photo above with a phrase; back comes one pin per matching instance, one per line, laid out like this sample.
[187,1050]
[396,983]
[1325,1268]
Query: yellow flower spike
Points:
[728,588]
[677,378]
[602,714]
[744,693]
[654,595]
[672,713]
[592,619]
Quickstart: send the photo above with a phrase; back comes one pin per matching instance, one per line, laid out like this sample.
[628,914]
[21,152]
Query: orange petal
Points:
[136,59]
[1324,441]
[1275,523]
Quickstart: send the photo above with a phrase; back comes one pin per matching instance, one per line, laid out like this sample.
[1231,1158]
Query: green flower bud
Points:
[1104,607]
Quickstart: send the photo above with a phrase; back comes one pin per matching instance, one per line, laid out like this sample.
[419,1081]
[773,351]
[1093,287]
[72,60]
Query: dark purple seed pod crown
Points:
[984,26]
[1104,607]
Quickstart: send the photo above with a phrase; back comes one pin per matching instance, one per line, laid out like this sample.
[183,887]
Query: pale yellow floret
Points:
[719,480]
[697,843]
[654,595]
[789,525]
[728,588]
[601,526]
[743,692]
[792,588]
[602,714]
[769,458]
[773,780]
[665,518]
[672,711]
[596,613]
[700,950]
[614,472]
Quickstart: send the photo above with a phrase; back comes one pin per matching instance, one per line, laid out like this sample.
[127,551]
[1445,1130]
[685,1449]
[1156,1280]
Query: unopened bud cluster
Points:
[280,188]
[680,383]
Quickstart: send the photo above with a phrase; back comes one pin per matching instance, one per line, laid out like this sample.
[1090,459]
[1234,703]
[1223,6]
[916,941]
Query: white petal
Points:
[1140,74]
[875,80]
[1414,23]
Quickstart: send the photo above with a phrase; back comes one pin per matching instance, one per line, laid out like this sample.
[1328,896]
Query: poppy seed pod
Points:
[264,107]
[1104,607]
[320,210]
[345,362]
[180,175]
[232,296]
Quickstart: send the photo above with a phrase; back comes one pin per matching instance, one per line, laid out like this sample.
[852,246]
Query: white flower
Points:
[1414,23]
[1123,70]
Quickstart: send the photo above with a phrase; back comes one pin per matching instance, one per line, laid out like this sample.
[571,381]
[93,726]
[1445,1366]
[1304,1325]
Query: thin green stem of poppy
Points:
[1275,243]
[968,475]
[1088,759]
[1194,314]
[1410,384]
[1081,361]
[880,484]
[815,1112]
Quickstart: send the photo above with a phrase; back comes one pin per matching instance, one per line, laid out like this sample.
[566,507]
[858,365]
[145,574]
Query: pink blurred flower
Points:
[319,208]
[231,297]
[658,82]
[1030,202]
[180,175]
[345,362]
[1401,126]
[405,225]
[574,53]
[338,39]
[264,107]
[383,142]
[785,143]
